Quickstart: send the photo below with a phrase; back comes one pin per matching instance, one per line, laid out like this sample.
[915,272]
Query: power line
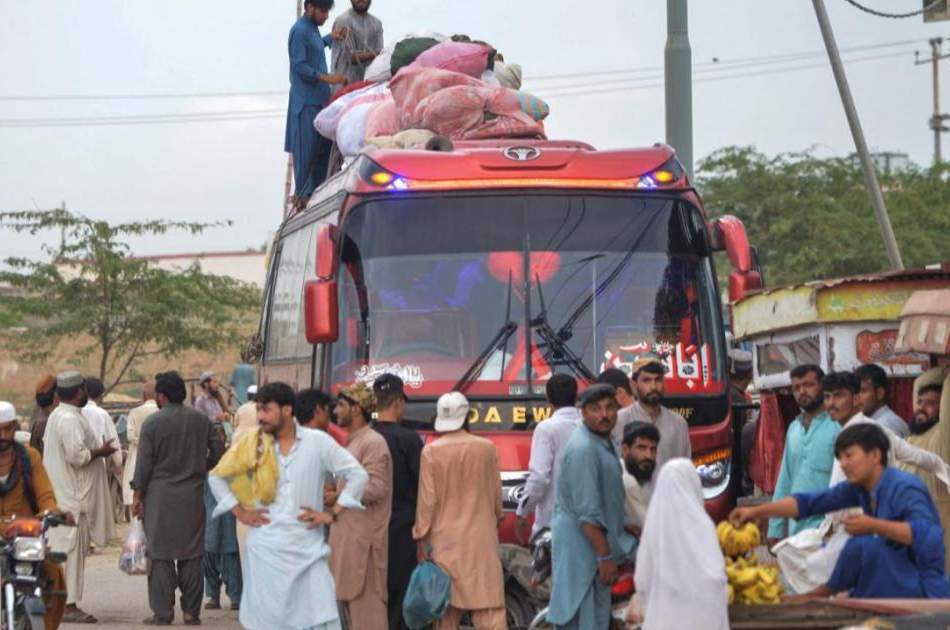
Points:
[894,16]
[632,84]
[726,64]
[625,88]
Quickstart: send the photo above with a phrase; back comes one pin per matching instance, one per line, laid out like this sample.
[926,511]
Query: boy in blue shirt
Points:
[896,549]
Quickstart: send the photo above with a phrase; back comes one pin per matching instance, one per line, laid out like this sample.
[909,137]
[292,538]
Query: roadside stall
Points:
[836,324]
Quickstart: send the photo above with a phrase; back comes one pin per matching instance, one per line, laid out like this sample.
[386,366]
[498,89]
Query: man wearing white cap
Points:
[70,447]
[457,516]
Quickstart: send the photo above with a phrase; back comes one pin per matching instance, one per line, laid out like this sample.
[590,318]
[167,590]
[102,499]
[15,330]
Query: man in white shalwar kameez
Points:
[101,515]
[287,581]
[71,451]
[808,558]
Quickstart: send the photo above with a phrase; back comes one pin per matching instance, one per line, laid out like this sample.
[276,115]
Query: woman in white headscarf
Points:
[680,573]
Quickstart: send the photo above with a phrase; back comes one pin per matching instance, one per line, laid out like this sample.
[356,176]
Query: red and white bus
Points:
[487,268]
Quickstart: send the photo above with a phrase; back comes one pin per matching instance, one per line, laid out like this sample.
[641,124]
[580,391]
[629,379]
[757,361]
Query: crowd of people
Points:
[312,511]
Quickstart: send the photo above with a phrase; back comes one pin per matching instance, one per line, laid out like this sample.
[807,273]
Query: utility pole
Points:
[679,83]
[861,145]
[936,121]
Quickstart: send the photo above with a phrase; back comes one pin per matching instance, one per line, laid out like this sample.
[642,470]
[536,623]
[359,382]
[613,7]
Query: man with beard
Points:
[363,41]
[649,374]
[588,529]
[547,443]
[809,450]
[71,449]
[222,561]
[177,448]
[640,441]
[931,403]
[309,93]
[287,583]
[873,399]
[808,558]
[26,492]
[359,540]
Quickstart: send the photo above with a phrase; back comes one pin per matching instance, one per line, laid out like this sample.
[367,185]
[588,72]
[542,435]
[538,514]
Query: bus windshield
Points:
[587,281]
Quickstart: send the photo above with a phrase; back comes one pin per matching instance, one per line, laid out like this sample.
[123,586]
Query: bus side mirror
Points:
[321,316]
[727,233]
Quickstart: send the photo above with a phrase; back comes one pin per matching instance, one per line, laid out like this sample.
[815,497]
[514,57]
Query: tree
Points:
[811,217]
[120,309]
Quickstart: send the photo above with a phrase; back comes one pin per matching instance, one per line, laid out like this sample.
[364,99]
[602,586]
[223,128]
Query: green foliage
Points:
[121,309]
[811,218]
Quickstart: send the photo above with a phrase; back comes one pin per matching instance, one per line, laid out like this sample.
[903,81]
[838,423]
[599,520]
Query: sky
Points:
[760,74]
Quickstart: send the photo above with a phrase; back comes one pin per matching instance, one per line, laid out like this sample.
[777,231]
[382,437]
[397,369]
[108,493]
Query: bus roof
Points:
[511,163]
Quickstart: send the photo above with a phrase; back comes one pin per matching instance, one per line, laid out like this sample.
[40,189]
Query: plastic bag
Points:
[329,117]
[427,597]
[134,557]
[351,132]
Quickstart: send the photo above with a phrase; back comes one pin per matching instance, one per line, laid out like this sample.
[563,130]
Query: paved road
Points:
[120,601]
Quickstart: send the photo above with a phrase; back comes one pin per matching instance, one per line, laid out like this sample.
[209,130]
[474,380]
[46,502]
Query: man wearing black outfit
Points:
[405,447]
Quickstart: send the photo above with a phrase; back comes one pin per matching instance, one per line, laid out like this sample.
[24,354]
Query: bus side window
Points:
[285,323]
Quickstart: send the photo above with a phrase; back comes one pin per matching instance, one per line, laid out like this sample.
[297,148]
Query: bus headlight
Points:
[715,471]
[29,549]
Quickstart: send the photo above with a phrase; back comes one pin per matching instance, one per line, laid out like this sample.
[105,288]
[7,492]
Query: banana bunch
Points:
[737,542]
[750,583]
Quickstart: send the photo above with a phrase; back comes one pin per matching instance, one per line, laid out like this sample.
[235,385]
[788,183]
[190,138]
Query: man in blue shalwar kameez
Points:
[587,530]
[309,93]
[896,549]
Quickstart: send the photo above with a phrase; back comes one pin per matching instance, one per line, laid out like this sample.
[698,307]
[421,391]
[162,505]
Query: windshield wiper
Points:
[557,349]
[498,342]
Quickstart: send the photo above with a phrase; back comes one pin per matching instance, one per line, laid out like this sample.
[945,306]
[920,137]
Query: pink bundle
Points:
[413,84]
[466,58]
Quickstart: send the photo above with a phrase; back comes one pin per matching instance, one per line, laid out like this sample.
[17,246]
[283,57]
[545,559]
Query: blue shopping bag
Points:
[427,597]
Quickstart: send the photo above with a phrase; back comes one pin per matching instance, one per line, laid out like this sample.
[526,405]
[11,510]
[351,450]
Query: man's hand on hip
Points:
[251,518]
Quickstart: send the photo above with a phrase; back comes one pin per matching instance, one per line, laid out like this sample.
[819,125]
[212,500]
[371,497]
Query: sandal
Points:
[156,621]
[213,604]
[191,621]
[78,616]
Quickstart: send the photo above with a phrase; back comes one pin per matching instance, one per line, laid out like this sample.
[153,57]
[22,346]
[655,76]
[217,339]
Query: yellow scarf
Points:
[250,467]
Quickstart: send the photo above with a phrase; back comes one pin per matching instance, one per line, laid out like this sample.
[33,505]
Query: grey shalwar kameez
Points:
[177,448]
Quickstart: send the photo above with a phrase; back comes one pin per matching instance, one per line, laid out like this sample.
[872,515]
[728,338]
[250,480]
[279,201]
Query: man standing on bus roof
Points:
[873,399]
[362,43]
[405,448]
[547,443]
[309,93]
[809,450]
[649,373]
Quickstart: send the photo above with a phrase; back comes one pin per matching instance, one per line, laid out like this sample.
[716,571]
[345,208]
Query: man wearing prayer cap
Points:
[649,373]
[359,540]
[457,515]
[70,449]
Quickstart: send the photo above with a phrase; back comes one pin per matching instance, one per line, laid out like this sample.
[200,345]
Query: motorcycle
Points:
[23,549]
[620,592]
